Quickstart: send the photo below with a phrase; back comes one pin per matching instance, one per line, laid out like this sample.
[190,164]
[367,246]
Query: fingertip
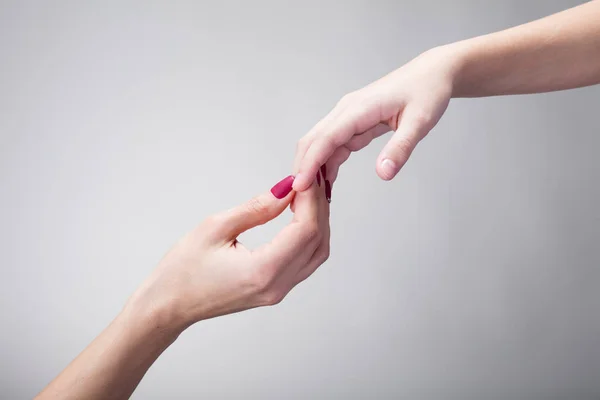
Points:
[283,188]
[302,182]
[387,169]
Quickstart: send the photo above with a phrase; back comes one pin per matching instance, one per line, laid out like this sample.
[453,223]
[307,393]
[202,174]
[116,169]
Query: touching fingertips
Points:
[301,182]
[283,187]
[388,169]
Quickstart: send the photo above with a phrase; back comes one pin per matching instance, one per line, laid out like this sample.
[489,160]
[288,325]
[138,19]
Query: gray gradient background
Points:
[474,274]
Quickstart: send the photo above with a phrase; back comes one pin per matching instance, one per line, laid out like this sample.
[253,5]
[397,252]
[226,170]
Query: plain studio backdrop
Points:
[474,274]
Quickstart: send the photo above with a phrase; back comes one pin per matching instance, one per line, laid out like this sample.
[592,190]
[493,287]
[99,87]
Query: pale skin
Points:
[561,51]
[208,273]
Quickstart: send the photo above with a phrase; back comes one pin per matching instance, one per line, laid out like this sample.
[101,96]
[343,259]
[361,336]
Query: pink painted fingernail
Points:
[328,190]
[283,187]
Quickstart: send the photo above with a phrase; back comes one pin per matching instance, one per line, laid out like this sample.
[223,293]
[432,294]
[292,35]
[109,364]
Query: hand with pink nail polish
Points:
[207,274]
[210,273]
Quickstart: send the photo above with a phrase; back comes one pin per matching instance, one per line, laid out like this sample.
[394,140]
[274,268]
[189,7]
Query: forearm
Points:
[115,362]
[558,52]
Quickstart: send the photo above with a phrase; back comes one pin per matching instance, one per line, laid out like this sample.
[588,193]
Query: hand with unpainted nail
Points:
[410,101]
[553,53]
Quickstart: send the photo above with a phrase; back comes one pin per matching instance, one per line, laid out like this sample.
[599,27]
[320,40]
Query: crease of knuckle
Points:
[257,206]
[357,143]
[402,147]
[332,141]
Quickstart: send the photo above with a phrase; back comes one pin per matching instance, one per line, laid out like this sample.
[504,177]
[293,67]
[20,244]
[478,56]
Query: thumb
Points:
[257,211]
[411,129]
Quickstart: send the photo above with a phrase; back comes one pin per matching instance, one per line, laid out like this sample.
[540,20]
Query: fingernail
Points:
[324,171]
[283,187]
[298,180]
[318,178]
[328,191]
[389,168]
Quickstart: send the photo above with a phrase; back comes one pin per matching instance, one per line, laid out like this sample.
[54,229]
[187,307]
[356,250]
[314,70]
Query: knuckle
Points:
[326,255]
[332,141]
[212,223]
[403,147]
[257,206]
[272,297]
[357,143]
[302,144]
[346,99]
[323,256]
[211,220]
[422,119]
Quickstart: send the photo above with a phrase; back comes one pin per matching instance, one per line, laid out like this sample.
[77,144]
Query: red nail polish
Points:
[324,171]
[283,188]
[318,178]
[328,190]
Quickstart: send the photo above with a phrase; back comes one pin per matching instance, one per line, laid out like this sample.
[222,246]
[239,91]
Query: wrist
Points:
[455,57]
[154,317]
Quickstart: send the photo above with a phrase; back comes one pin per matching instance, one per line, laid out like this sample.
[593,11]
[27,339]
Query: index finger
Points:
[356,118]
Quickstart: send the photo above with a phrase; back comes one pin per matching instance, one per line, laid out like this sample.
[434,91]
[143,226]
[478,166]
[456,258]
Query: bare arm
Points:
[114,363]
[558,52]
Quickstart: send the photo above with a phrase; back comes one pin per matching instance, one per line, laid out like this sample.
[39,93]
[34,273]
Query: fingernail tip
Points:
[328,190]
[283,187]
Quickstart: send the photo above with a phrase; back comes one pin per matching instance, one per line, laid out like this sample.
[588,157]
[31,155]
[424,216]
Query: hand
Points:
[410,101]
[209,273]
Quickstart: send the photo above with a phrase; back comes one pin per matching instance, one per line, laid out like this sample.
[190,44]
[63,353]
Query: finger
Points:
[300,237]
[256,211]
[412,128]
[335,161]
[320,182]
[320,187]
[321,254]
[319,257]
[304,143]
[358,142]
[356,118]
